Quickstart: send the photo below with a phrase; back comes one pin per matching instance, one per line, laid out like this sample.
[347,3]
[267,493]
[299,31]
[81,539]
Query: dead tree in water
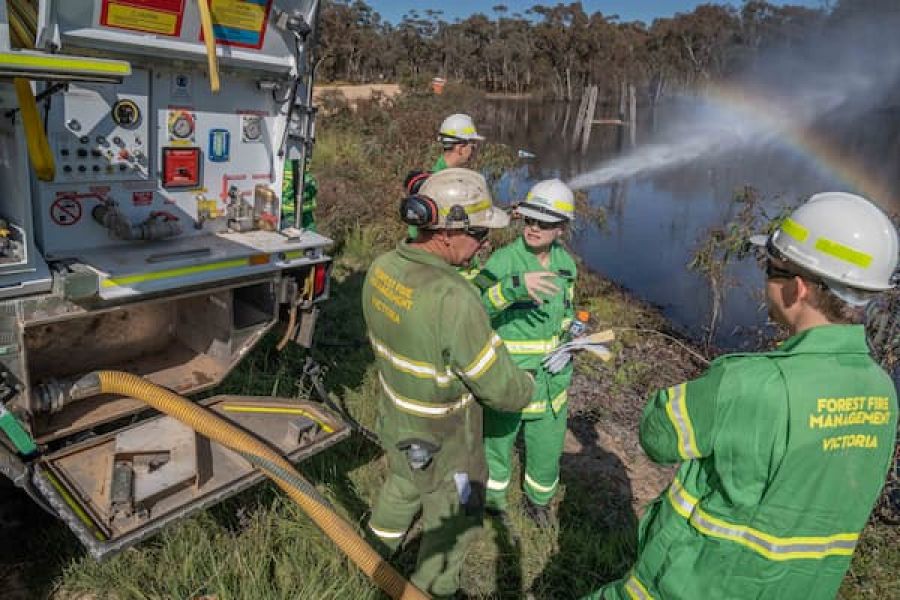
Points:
[585,118]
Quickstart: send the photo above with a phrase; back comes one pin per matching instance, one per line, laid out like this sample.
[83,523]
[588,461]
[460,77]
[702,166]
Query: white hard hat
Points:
[843,238]
[459,128]
[463,199]
[550,200]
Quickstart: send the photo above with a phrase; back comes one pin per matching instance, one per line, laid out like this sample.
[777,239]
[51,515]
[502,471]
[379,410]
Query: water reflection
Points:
[655,222]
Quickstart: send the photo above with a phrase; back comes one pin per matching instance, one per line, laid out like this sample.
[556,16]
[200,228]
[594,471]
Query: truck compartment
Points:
[186,344]
[114,490]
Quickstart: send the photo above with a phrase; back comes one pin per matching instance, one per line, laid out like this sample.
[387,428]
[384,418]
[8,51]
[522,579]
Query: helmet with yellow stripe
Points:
[458,128]
[463,200]
[842,238]
[550,200]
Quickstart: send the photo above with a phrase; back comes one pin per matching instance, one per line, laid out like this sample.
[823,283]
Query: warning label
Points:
[240,22]
[162,17]
[65,211]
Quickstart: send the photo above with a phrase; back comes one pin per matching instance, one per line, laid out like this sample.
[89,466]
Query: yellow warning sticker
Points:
[162,17]
[240,22]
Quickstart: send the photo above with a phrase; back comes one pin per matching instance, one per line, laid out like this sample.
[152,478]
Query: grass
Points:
[260,546]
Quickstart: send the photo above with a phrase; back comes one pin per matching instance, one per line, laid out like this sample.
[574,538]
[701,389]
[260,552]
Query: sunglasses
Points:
[774,272]
[478,233]
[543,225]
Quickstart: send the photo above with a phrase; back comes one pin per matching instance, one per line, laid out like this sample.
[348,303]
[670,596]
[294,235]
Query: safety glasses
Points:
[478,233]
[543,225]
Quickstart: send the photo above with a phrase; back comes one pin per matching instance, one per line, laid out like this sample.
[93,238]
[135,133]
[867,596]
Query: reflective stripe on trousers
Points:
[769,546]
[386,534]
[531,346]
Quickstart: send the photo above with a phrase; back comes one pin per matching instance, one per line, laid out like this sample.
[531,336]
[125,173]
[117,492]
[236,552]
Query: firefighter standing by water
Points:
[459,145]
[782,453]
[528,290]
[436,354]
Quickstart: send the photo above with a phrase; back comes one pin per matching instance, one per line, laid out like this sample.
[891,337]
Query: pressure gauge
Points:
[251,128]
[181,125]
[125,113]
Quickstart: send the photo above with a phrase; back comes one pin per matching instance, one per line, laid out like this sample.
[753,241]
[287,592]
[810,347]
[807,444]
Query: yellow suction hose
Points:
[266,458]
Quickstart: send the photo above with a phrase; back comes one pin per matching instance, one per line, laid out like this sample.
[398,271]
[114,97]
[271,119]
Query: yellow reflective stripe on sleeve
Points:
[676,408]
[764,544]
[566,323]
[499,486]
[173,273]
[636,590]
[423,409]
[485,358]
[422,370]
[682,501]
[477,207]
[469,274]
[795,229]
[560,400]
[844,253]
[495,295]
[531,346]
[538,406]
[386,533]
[538,487]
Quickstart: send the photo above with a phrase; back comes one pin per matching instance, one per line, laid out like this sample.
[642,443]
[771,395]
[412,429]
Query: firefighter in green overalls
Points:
[459,142]
[310,191]
[438,361]
[783,453]
[528,288]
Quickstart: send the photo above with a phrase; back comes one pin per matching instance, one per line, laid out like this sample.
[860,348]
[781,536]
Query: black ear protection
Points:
[414,181]
[419,211]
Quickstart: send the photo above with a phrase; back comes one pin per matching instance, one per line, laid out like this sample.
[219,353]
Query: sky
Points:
[628,10]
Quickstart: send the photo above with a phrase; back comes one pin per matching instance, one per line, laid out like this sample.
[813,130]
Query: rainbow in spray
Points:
[806,141]
[742,116]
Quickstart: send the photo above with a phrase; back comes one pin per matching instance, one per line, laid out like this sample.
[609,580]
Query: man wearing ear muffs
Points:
[438,361]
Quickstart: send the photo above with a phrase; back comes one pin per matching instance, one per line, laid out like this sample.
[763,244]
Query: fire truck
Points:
[143,150]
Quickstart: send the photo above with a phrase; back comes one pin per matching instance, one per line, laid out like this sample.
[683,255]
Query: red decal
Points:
[142,198]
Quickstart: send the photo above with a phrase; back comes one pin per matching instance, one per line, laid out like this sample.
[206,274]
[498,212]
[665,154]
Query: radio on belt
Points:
[181,167]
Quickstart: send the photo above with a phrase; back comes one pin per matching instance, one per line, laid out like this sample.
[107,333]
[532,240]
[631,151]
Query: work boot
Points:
[541,515]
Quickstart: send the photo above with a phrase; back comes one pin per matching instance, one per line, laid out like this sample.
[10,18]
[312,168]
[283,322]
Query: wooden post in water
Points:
[589,118]
[632,115]
[620,133]
[580,118]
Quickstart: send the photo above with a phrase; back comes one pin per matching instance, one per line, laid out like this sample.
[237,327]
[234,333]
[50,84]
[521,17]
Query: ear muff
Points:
[419,211]
[414,180]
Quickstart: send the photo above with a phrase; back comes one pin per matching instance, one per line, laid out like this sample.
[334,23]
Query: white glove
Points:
[557,359]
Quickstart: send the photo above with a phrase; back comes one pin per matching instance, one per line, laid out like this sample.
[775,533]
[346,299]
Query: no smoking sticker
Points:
[65,212]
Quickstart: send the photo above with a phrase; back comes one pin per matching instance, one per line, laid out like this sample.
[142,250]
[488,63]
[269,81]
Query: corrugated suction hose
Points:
[268,460]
